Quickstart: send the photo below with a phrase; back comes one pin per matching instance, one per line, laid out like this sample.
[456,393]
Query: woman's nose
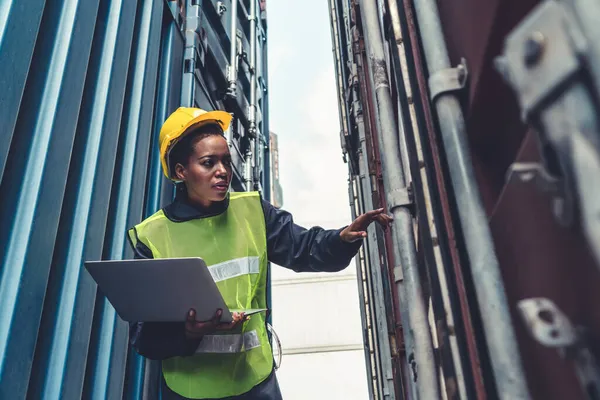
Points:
[221,170]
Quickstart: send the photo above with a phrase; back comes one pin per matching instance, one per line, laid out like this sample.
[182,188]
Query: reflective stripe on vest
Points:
[233,343]
[234,268]
[233,245]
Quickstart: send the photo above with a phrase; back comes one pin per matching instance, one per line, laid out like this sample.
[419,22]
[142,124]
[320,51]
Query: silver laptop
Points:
[160,290]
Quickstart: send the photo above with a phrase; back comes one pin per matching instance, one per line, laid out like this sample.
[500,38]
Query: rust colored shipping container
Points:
[538,256]
[489,241]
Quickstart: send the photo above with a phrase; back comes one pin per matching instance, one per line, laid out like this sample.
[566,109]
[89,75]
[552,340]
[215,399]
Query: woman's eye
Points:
[208,163]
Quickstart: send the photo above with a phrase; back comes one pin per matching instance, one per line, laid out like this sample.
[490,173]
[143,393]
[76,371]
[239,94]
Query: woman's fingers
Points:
[191,328]
[384,220]
[217,317]
[237,319]
[374,212]
[364,220]
[196,329]
[356,230]
[376,215]
[371,215]
[191,317]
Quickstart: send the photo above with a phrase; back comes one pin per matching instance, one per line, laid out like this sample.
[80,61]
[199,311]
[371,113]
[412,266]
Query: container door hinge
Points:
[552,62]
[402,197]
[448,80]
[221,8]
[551,328]
[536,173]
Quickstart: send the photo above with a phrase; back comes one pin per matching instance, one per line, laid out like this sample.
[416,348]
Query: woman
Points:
[236,234]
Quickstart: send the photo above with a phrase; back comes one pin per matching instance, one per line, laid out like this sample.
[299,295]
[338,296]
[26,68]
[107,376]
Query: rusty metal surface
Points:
[379,200]
[542,259]
[475,29]
[538,257]
[421,90]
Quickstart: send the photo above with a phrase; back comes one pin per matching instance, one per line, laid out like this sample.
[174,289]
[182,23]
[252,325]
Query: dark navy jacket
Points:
[288,245]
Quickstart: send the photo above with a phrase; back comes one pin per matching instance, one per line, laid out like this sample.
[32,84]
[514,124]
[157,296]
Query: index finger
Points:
[191,316]
[216,319]
[370,215]
[374,212]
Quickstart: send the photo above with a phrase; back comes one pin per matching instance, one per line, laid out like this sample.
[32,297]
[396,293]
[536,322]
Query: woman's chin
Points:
[220,195]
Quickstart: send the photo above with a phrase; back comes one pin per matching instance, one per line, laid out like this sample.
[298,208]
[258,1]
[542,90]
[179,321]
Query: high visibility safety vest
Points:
[233,245]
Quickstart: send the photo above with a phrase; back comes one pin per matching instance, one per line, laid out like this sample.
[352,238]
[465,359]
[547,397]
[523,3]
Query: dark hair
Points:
[182,151]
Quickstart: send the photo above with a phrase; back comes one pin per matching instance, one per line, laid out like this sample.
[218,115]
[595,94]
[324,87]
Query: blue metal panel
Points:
[16,45]
[64,343]
[127,195]
[159,190]
[83,97]
[168,98]
[37,171]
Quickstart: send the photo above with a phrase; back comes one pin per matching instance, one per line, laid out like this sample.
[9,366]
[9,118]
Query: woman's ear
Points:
[180,172]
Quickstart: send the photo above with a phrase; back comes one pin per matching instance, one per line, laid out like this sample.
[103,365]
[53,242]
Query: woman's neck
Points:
[200,203]
[185,196]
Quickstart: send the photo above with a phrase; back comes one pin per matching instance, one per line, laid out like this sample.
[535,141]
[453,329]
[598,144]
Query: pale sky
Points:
[304,113]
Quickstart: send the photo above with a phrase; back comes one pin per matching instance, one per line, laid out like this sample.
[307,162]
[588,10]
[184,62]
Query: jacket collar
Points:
[181,210]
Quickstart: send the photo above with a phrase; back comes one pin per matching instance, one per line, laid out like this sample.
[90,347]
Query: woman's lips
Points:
[222,187]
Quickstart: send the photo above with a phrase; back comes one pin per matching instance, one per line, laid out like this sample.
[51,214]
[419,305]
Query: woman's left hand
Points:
[358,228]
[197,329]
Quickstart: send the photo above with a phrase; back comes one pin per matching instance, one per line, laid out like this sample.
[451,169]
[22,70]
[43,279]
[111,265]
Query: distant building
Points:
[276,189]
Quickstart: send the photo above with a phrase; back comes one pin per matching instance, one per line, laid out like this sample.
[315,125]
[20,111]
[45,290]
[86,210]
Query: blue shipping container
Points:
[86,86]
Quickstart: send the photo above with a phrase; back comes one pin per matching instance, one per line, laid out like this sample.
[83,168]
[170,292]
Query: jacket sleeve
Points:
[159,340]
[305,250]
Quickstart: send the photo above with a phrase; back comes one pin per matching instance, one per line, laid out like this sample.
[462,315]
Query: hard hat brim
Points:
[221,118]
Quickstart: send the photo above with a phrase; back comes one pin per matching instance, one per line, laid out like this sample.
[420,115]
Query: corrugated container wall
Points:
[498,296]
[86,86]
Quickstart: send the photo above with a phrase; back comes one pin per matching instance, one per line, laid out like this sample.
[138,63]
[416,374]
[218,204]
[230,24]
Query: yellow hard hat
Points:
[178,123]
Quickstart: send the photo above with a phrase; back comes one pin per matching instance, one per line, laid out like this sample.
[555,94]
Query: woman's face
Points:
[208,173]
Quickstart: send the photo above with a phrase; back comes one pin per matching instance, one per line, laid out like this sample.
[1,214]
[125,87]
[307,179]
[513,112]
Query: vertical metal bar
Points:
[143,80]
[15,252]
[588,15]
[188,83]
[356,210]
[168,99]
[118,359]
[16,45]
[385,354]
[372,250]
[372,332]
[253,46]
[266,131]
[413,311]
[152,381]
[159,189]
[255,134]
[380,370]
[385,244]
[248,167]
[61,315]
[39,163]
[267,169]
[232,72]
[586,163]
[484,265]
[432,226]
[339,65]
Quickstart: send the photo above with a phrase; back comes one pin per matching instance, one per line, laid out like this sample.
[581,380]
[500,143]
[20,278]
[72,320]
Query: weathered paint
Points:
[537,257]
[83,97]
